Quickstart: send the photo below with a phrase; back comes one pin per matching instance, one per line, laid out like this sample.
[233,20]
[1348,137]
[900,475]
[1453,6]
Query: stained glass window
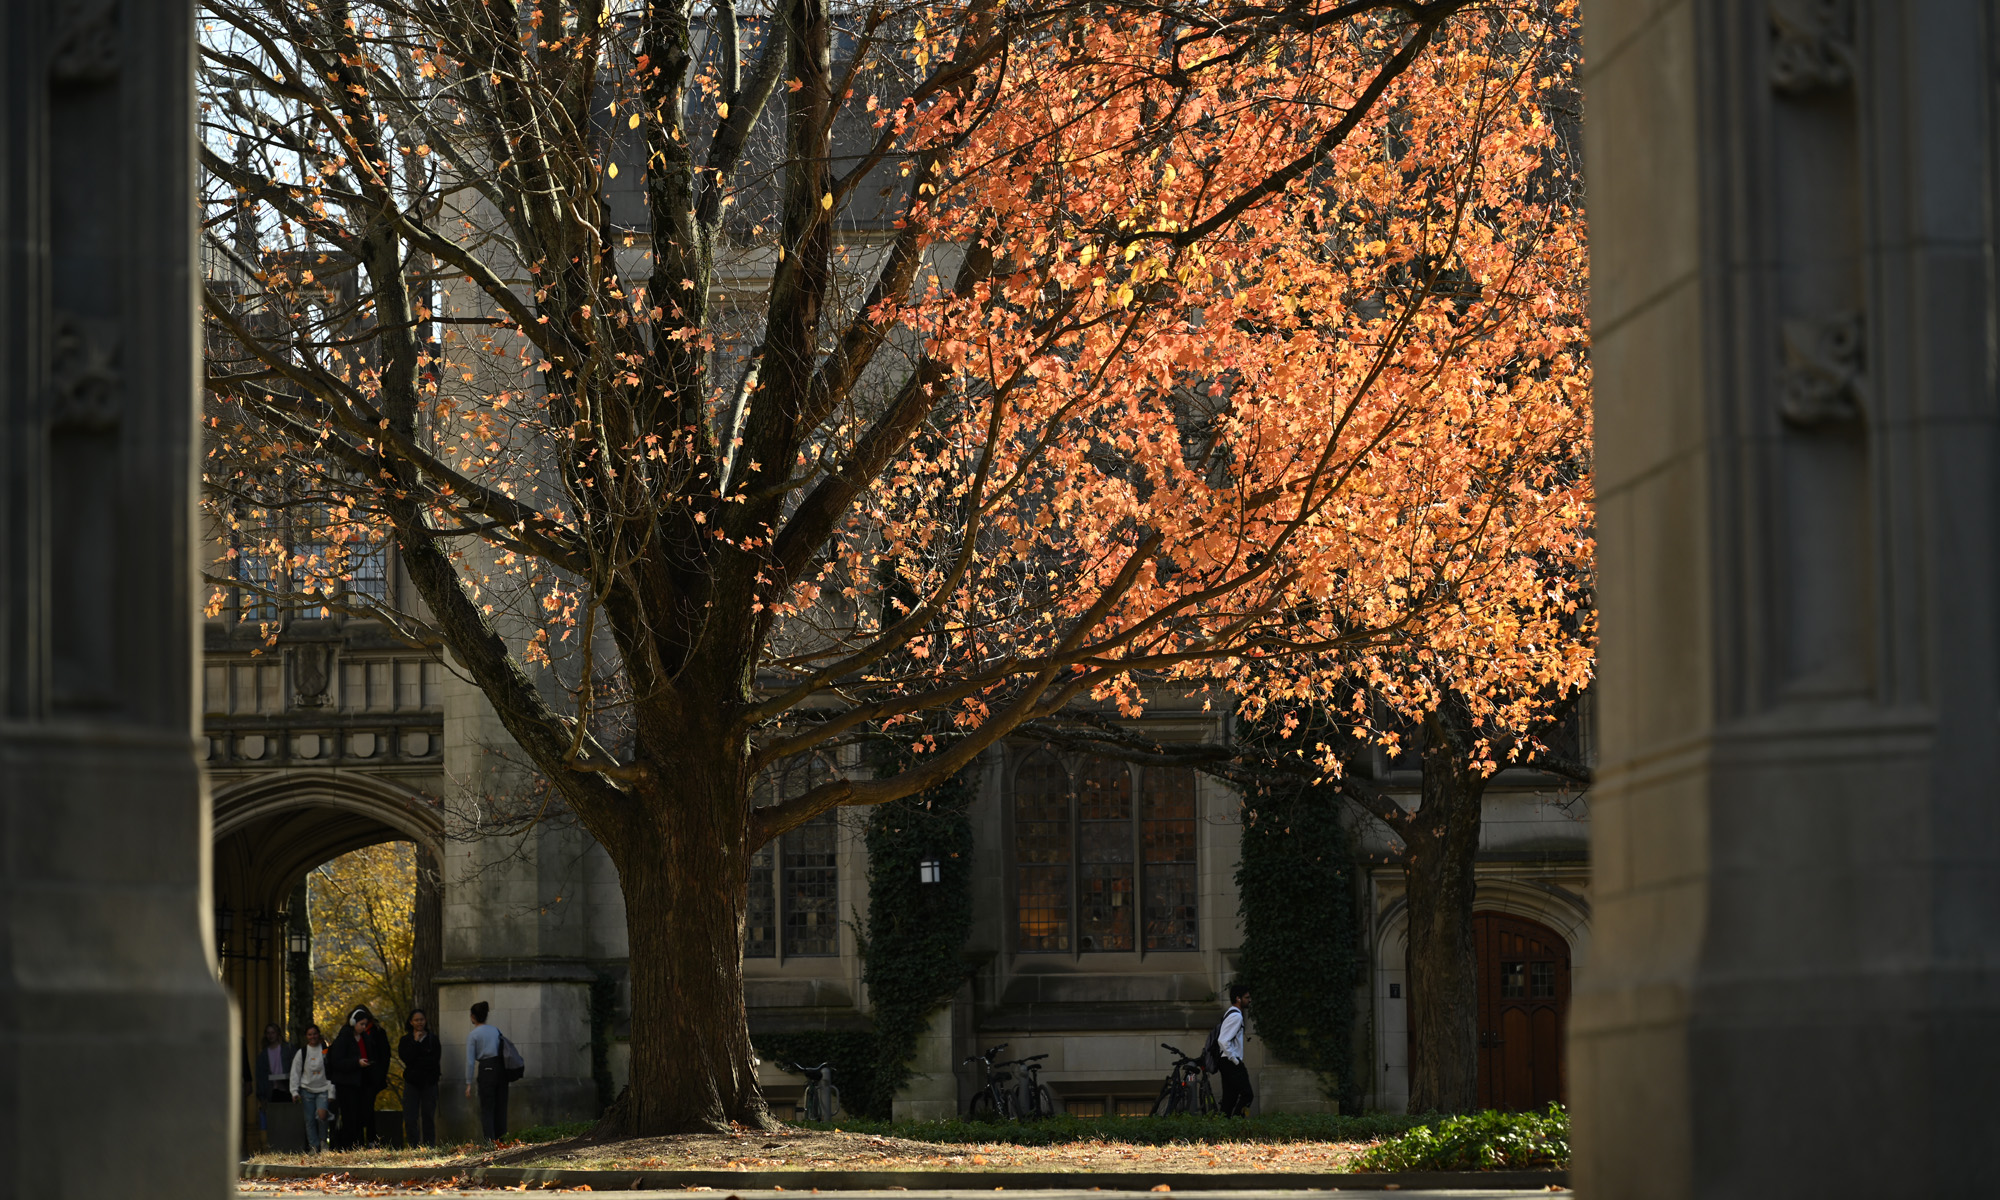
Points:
[1166,839]
[1097,872]
[1104,858]
[1042,853]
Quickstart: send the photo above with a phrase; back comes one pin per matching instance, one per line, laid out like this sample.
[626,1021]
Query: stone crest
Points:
[1812,45]
[1823,383]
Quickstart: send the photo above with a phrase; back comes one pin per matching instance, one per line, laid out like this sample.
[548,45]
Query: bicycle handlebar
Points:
[987,1057]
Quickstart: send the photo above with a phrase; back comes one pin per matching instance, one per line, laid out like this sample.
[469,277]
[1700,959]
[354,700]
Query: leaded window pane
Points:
[253,568]
[1167,840]
[760,918]
[1042,849]
[1105,857]
[794,883]
[369,567]
[1542,980]
[812,887]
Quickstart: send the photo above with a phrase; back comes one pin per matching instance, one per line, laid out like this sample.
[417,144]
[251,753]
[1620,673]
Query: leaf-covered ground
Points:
[809,1149]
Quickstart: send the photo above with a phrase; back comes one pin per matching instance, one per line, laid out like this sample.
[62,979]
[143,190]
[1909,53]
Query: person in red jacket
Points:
[358,1066]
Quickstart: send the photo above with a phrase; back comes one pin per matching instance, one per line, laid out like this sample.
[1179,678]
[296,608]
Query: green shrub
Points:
[1487,1141]
[1139,1131]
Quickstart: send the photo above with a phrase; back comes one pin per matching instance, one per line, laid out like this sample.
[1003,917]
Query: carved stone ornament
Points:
[1823,383]
[312,671]
[87,48]
[83,367]
[1812,45]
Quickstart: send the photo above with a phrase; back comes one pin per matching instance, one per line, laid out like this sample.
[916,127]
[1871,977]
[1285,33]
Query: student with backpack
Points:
[1228,1042]
[491,1063]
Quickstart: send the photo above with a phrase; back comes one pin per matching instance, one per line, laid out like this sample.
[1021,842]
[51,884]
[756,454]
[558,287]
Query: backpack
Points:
[1210,1057]
[512,1065]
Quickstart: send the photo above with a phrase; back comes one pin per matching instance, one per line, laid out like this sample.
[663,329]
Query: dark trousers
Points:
[493,1111]
[1236,1093]
[357,1117]
[420,1114]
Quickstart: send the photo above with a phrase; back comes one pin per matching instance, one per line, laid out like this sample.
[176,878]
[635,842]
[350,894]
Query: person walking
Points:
[313,1089]
[486,1074]
[358,1064]
[271,1074]
[423,1062]
[1236,1093]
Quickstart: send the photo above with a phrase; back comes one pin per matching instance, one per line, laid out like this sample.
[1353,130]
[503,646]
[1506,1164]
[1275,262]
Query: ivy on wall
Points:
[912,946]
[1301,935]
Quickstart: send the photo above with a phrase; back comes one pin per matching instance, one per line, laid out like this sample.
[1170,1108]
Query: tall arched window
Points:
[794,885]
[1166,840]
[1104,856]
[1093,871]
[1042,853]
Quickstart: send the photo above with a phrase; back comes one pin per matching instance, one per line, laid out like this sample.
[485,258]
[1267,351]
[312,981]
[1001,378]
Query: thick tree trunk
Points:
[683,867]
[1443,841]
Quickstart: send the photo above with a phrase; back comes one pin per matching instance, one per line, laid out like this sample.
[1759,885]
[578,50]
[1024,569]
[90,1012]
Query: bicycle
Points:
[991,1101]
[1186,1089]
[822,1100]
[1035,1100]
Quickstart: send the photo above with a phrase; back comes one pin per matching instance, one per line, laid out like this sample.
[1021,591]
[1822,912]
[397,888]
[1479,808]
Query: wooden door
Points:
[1523,1010]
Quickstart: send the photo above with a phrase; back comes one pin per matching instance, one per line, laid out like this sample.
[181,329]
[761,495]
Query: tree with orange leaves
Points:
[943,368]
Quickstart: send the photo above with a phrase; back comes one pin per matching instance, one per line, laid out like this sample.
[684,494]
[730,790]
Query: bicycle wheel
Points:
[1205,1098]
[1164,1106]
[831,1102]
[1044,1104]
[981,1108]
[810,1105]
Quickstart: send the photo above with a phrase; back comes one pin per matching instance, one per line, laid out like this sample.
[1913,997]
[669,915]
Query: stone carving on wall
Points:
[1823,381]
[87,51]
[84,369]
[312,672]
[1812,45]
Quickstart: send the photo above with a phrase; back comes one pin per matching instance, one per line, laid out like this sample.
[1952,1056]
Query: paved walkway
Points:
[1078,1194]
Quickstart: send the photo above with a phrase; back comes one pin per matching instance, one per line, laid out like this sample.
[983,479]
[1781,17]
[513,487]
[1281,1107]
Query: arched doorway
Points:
[269,831]
[1524,969]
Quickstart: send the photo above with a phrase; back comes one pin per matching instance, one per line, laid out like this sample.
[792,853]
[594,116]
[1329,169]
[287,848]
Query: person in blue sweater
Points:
[484,1074]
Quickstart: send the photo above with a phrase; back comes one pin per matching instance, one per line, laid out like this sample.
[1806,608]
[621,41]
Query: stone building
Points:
[1105,913]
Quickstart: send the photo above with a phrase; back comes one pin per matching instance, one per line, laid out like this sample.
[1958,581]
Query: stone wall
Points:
[1794,987]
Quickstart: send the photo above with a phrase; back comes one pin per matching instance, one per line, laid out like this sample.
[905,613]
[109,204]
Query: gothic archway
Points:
[268,832]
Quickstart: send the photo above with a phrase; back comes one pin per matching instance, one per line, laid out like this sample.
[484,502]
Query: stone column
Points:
[1794,981]
[119,1065]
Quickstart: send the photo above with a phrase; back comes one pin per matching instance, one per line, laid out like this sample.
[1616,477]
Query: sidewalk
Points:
[1454,1193]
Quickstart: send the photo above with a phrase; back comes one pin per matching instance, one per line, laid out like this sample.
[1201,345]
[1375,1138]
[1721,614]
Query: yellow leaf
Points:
[724,110]
[612,170]
[826,201]
[634,122]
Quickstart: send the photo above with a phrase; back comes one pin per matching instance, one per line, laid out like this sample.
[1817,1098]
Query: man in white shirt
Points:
[1236,1094]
